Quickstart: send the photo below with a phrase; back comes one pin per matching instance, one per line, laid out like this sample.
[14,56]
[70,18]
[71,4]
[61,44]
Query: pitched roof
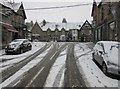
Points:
[23,10]
[96,3]
[93,7]
[16,6]
[13,6]
[87,24]
[66,26]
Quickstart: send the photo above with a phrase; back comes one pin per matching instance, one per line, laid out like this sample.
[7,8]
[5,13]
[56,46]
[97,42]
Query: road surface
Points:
[73,78]
[36,76]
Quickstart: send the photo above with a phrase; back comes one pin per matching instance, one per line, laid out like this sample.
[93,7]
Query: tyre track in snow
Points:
[56,74]
[73,77]
[11,70]
[58,77]
[83,49]
[37,76]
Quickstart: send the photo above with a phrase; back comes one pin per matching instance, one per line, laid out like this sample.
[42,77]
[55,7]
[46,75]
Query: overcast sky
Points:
[73,14]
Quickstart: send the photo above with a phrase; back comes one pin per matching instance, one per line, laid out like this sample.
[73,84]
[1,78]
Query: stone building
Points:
[12,22]
[52,31]
[106,20]
[65,31]
[85,32]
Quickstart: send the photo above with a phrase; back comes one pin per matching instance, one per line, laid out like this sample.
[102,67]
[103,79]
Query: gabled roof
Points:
[36,24]
[87,24]
[66,26]
[16,6]
[13,6]
[93,7]
[96,4]
[22,9]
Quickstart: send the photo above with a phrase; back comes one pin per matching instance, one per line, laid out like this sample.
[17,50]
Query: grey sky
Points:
[74,14]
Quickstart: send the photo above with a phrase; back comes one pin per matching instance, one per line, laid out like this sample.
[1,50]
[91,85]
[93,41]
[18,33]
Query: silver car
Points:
[107,54]
[18,46]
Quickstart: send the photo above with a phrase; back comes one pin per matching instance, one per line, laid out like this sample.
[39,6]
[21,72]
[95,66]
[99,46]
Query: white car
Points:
[107,54]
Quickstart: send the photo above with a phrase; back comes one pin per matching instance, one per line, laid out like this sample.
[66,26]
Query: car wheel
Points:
[104,68]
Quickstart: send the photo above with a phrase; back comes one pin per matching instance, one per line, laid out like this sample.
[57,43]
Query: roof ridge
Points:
[13,6]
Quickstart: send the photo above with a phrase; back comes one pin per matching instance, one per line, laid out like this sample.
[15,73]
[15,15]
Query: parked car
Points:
[18,46]
[107,54]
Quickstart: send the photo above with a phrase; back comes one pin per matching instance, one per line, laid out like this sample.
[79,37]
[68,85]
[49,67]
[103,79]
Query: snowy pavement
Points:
[93,76]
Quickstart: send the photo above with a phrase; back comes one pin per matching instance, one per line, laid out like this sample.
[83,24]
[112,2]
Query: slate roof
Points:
[13,6]
[66,26]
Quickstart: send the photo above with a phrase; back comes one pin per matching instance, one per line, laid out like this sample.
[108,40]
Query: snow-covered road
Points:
[19,74]
[91,73]
[56,75]
[93,76]
[8,60]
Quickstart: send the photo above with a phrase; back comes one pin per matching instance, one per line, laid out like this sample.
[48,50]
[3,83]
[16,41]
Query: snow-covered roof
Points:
[109,42]
[13,6]
[66,26]
[16,6]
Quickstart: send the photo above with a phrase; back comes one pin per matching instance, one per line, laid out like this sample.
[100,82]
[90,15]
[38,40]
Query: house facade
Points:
[51,31]
[18,20]
[85,32]
[106,21]
[12,22]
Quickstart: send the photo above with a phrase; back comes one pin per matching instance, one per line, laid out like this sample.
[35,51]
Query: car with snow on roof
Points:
[107,54]
[18,46]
